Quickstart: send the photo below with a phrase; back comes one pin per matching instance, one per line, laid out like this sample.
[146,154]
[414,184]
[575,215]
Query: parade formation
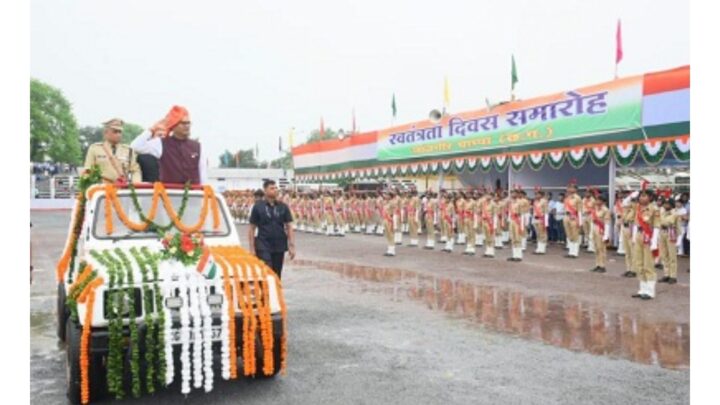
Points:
[650,228]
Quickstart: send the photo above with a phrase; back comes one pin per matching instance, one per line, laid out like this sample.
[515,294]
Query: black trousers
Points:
[273,259]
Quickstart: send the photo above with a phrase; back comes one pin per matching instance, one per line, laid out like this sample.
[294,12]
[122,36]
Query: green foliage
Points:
[329,134]
[53,128]
[241,159]
[284,162]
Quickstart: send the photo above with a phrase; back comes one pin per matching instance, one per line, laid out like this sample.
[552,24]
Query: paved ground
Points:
[360,336]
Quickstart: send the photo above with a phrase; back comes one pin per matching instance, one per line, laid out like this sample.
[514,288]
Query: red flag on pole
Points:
[322,128]
[618,44]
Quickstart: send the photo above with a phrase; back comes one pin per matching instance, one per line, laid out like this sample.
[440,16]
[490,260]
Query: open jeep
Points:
[154,288]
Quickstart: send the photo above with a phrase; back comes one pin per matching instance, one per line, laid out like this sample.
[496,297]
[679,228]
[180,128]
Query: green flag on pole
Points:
[394,107]
[514,75]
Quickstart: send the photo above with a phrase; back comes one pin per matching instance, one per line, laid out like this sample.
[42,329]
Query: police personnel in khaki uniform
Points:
[431,219]
[541,221]
[670,228]
[646,235]
[600,230]
[573,220]
[470,224]
[388,207]
[117,161]
[515,220]
[488,213]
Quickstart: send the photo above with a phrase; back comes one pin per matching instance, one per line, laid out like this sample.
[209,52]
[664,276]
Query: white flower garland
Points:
[184,335]
[207,338]
[225,331]
[167,272]
[197,343]
[195,313]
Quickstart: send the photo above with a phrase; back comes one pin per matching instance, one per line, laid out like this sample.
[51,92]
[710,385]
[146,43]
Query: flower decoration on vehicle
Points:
[186,248]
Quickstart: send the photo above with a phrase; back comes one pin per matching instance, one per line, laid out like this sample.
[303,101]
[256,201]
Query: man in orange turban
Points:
[169,140]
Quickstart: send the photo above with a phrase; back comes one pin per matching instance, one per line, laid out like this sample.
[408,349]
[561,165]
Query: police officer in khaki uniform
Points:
[390,220]
[573,220]
[600,231]
[646,235]
[117,161]
[670,228]
[541,221]
[488,212]
[515,213]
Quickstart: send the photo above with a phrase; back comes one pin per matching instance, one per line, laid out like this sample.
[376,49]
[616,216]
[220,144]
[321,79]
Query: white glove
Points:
[654,240]
[547,220]
[635,194]
[606,234]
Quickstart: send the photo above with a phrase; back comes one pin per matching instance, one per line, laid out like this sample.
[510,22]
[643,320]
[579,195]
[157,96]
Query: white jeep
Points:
[140,299]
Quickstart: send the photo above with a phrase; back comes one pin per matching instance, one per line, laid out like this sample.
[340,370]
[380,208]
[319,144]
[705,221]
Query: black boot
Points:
[630,274]
[601,270]
[595,268]
[672,280]
[664,279]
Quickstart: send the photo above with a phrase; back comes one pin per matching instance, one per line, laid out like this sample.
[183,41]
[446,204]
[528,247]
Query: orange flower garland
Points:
[88,296]
[80,278]
[64,261]
[236,256]
[108,208]
[137,227]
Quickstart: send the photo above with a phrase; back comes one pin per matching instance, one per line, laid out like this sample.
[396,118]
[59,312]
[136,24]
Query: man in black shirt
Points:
[272,220]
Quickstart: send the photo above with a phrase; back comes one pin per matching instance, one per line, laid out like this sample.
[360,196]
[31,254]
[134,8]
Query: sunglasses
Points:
[117,131]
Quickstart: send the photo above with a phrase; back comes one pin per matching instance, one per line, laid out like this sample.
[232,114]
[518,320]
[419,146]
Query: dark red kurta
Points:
[180,161]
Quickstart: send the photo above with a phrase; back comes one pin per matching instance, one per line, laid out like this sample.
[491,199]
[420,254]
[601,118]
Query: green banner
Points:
[608,108]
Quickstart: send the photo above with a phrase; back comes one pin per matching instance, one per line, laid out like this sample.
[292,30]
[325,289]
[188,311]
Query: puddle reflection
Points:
[556,320]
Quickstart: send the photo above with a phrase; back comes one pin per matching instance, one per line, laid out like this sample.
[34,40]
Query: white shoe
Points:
[479,239]
[443,239]
[489,251]
[650,288]
[390,251]
[523,244]
[642,289]
[398,238]
[430,244]
[414,242]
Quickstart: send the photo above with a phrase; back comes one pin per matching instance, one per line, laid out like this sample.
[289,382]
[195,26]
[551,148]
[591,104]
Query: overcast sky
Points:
[248,71]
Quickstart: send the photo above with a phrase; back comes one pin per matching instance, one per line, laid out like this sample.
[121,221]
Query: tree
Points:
[240,159]
[53,127]
[284,162]
[329,134]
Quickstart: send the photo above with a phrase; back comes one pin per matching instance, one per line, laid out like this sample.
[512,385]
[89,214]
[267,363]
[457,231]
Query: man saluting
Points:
[169,140]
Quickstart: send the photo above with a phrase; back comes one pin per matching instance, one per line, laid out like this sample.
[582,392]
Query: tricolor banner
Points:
[573,116]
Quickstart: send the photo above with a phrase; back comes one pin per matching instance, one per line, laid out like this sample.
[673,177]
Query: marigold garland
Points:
[237,256]
[159,193]
[70,242]
[87,296]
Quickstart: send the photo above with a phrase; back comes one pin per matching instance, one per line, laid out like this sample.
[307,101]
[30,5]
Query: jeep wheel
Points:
[62,313]
[96,373]
[72,363]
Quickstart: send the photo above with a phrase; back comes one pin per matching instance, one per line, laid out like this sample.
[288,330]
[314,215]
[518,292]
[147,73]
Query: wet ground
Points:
[429,328]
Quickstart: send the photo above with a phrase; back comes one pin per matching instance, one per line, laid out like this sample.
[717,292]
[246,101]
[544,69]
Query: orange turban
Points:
[176,114]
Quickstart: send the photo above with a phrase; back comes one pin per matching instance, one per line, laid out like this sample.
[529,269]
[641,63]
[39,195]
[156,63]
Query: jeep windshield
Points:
[189,218]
